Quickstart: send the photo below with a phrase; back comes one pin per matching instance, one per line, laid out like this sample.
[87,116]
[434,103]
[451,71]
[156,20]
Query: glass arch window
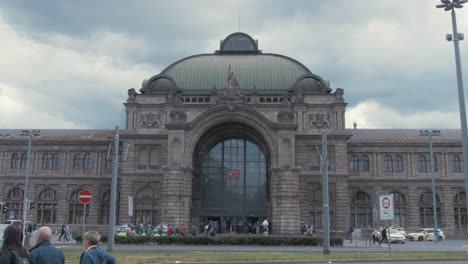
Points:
[77,162]
[456,163]
[47,207]
[86,161]
[75,215]
[426,211]
[364,163]
[398,164]
[422,163]
[105,208]
[400,209]
[233,179]
[388,163]
[460,213]
[23,161]
[315,200]
[14,161]
[14,203]
[146,202]
[361,210]
[46,161]
[55,161]
[354,163]
[435,162]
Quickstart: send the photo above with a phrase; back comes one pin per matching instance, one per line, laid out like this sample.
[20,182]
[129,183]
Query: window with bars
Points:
[361,210]
[422,163]
[14,203]
[388,163]
[14,161]
[426,210]
[456,163]
[47,207]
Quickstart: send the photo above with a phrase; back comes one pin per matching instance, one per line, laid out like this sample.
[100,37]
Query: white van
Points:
[12,222]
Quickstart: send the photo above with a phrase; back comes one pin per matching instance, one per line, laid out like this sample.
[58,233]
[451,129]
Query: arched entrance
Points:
[231,179]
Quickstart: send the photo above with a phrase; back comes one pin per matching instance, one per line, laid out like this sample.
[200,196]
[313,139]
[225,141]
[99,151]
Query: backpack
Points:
[101,259]
[18,259]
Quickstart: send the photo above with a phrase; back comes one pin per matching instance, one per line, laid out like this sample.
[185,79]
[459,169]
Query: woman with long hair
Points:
[12,249]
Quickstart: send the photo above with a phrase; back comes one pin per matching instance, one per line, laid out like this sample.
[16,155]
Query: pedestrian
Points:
[383,236]
[64,232]
[194,230]
[93,253]
[182,230]
[12,250]
[43,252]
[351,231]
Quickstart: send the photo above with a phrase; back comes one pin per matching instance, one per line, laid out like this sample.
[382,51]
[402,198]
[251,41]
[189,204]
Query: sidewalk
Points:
[361,243]
[54,240]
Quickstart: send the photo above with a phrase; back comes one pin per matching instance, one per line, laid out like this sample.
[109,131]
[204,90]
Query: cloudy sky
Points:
[69,64]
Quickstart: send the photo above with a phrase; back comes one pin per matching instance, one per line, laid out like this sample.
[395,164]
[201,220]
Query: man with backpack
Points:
[93,253]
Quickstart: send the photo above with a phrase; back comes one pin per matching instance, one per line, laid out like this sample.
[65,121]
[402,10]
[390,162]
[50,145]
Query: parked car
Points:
[395,236]
[399,229]
[12,222]
[160,230]
[2,230]
[425,234]
[121,231]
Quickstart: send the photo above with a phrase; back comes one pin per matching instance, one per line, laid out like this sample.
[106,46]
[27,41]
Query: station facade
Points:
[236,136]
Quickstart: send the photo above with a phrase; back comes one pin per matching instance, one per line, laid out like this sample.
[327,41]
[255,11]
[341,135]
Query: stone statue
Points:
[232,89]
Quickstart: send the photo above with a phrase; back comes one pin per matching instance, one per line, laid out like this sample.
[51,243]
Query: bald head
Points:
[43,233]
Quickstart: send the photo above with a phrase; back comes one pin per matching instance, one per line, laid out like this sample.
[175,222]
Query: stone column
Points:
[413,207]
[342,206]
[177,195]
[285,201]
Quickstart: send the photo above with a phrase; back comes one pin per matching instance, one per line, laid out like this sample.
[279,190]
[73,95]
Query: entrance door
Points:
[233,180]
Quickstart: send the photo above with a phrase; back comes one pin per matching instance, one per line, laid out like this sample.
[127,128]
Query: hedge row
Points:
[225,240]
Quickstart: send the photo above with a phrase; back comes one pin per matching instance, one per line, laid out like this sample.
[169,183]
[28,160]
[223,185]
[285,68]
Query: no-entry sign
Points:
[85,196]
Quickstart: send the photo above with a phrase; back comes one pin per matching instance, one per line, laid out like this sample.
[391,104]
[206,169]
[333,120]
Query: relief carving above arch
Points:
[150,120]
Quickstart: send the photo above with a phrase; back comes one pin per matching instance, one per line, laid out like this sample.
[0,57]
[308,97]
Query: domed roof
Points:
[264,72]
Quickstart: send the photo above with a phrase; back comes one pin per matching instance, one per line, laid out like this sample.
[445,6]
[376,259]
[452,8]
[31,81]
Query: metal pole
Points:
[115,167]
[326,221]
[26,185]
[461,102]
[434,204]
[83,231]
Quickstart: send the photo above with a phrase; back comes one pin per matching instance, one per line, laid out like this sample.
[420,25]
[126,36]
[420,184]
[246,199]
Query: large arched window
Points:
[14,203]
[77,162]
[23,160]
[14,161]
[354,163]
[435,162]
[459,205]
[46,161]
[315,199]
[75,215]
[456,163]
[422,163]
[145,205]
[398,164]
[47,207]
[105,208]
[361,210]
[364,163]
[55,161]
[426,211]
[388,163]
[86,161]
[400,209]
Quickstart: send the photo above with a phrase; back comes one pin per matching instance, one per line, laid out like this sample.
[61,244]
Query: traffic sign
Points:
[386,207]
[85,196]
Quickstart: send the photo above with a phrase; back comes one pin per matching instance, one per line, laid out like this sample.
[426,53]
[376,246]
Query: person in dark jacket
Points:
[12,248]
[43,252]
[94,254]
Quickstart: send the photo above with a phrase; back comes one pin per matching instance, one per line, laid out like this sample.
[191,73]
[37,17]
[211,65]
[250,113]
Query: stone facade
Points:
[168,129]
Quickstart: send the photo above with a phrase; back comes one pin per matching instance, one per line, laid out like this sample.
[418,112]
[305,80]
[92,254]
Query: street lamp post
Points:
[29,134]
[450,6]
[430,133]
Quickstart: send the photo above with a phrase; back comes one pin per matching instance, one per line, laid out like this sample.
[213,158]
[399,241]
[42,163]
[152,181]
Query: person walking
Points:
[383,236]
[351,231]
[43,252]
[12,249]
[64,232]
[93,253]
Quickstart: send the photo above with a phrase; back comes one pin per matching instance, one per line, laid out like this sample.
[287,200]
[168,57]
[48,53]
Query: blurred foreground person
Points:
[43,252]
[93,253]
[12,250]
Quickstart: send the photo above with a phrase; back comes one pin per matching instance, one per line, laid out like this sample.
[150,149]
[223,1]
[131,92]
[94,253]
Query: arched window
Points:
[75,215]
[24,157]
[388,163]
[361,210]
[55,161]
[105,208]
[14,161]
[426,211]
[422,163]
[456,163]
[47,207]
[400,209]
[459,205]
[315,199]
[14,203]
[77,162]
[354,163]
[146,200]
[435,162]
[46,161]
[364,163]
[86,162]
[398,164]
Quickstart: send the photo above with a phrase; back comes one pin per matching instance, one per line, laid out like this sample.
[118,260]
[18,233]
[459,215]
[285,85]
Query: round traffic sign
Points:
[85,196]
[386,203]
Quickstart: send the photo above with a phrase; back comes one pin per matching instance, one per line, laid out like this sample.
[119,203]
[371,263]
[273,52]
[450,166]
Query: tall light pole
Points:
[326,208]
[29,134]
[430,133]
[115,168]
[450,6]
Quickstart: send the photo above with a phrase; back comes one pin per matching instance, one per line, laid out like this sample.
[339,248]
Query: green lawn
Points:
[141,257]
